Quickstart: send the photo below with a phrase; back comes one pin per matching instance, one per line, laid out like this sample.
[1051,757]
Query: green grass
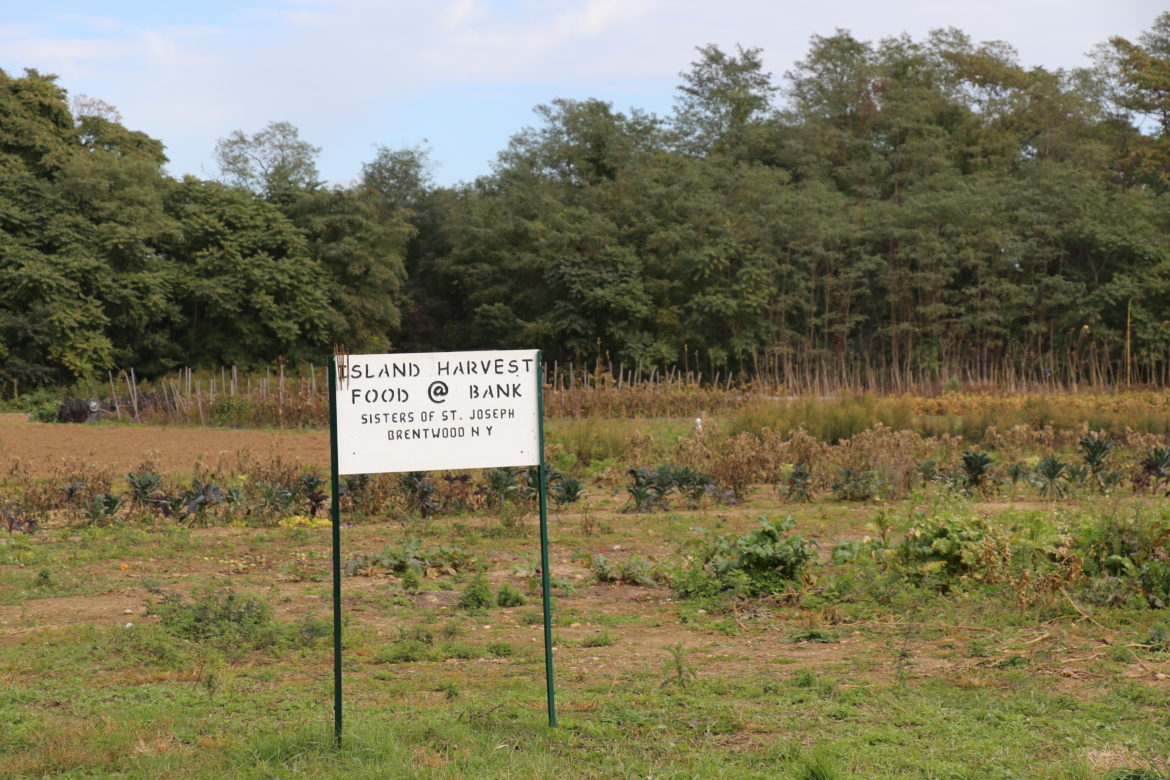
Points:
[859,671]
[142,723]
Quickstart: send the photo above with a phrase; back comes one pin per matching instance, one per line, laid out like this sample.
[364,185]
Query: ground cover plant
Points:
[958,621]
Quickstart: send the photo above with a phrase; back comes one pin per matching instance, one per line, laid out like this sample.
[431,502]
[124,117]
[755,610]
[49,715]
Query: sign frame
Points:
[335,506]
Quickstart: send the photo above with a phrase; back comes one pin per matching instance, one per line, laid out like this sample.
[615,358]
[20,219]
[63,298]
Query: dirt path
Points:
[41,446]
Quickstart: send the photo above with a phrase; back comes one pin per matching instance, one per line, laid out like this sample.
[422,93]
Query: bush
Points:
[231,411]
[509,596]
[1130,552]
[760,563]
[500,649]
[798,484]
[44,412]
[953,545]
[477,594]
[647,493]
[404,651]
[976,468]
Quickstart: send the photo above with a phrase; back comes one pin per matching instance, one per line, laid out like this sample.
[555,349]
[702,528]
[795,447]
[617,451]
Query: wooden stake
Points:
[114,394]
[132,384]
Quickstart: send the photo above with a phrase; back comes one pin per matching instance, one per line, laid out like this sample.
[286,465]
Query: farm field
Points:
[873,606]
[43,446]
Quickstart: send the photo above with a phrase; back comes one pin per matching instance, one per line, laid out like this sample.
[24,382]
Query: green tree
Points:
[81,280]
[359,247]
[1142,73]
[274,163]
[401,177]
[115,181]
[247,288]
[720,97]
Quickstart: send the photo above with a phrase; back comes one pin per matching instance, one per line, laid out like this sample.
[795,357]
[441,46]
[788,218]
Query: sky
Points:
[460,77]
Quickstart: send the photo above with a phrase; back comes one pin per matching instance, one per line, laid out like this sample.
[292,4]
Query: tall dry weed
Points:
[739,462]
[892,454]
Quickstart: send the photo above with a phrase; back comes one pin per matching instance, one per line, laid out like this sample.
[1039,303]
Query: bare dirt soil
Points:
[42,446]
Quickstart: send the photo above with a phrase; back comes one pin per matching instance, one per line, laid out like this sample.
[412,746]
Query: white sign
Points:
[437,410]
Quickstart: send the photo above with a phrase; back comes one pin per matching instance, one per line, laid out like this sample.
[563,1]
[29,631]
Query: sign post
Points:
[432,411]
[545,577]
[335,518]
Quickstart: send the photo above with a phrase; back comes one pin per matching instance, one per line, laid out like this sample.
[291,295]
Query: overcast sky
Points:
[460,76]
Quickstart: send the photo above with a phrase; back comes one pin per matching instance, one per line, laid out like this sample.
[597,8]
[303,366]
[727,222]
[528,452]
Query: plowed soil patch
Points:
[42,446]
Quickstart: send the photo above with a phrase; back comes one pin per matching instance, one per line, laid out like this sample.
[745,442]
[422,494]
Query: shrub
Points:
[419,492]
[459,650]
[1154,471]
[1132,554]
[307,630]
[689,483]
[354,492]
[737,463]
[954,545]
[410,580]
[196,500]
[231,410]
[1052,477]
[647,493]
[500,649]
[602,639]
[503,485]
[403,652]
[510,596]
[762,562]
[145,485]
[797,485]
[477,594]
[565,490]
[1095,449]
[101,509]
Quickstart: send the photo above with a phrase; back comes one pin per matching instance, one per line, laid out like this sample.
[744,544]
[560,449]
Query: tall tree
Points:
[82,281]
[1143,72]
[402,177]
[359,245]
[720,97]
[247,287]
[274,163]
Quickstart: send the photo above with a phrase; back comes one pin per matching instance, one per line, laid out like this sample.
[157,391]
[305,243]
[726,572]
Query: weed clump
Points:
[219,616]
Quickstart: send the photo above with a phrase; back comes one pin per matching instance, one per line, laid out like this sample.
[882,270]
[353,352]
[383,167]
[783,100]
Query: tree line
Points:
[885,214]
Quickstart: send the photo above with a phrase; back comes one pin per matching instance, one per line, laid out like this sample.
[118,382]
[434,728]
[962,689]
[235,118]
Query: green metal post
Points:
[542,477]
[335,516]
